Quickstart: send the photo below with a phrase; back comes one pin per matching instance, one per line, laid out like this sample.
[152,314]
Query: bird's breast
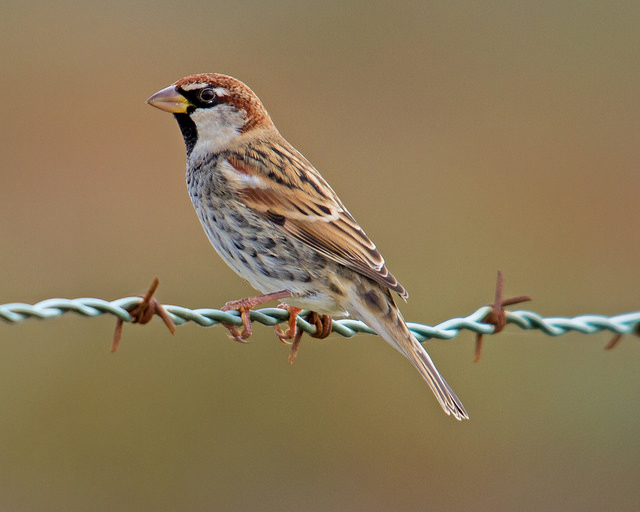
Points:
[256,248]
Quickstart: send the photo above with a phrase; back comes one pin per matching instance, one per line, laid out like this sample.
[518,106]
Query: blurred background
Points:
[465,136]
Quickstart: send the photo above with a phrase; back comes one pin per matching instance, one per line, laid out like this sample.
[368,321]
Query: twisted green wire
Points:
[625,323]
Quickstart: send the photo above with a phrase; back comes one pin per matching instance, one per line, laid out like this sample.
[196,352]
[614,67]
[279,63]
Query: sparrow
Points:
[277,223]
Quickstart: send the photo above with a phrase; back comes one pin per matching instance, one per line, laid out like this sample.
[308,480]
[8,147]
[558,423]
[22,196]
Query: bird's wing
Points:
[281,185]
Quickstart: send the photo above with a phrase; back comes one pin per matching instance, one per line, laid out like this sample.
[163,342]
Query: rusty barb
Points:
[497,316]
[613,342]
[142,313]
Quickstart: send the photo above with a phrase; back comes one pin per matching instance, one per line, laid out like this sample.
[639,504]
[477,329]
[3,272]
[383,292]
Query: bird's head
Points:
[212,110]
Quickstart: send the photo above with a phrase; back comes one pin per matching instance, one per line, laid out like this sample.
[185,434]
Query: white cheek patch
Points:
[217,127]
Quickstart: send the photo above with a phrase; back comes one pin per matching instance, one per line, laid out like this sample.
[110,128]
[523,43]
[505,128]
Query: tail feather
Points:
[377,309]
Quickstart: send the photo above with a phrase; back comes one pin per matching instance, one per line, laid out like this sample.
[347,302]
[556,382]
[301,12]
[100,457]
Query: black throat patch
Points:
[189,131]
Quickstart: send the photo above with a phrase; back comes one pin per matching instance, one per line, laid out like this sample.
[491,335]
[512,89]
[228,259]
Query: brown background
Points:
[465,137]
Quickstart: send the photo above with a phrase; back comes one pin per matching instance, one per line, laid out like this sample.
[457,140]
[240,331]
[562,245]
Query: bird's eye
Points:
[207,95]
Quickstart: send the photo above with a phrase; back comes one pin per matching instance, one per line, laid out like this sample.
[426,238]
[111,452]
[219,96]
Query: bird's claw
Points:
[292,326]
[244,307]
[323,325]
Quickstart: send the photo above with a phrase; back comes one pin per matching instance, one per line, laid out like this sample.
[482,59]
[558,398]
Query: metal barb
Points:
[497,316]
[142,313]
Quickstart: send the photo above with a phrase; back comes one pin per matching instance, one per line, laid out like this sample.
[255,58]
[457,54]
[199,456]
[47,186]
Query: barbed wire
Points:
[626,323]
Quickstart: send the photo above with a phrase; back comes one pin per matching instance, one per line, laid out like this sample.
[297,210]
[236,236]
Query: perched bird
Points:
[274,220]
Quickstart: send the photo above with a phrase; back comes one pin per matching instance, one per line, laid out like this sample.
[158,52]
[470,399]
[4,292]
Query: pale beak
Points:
[169,100]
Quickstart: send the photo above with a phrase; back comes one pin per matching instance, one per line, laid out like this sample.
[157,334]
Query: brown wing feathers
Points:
[311,212]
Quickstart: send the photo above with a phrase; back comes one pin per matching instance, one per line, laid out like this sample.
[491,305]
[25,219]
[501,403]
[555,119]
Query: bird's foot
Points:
[244,307]
[292,327]
[293,332]
[323,325]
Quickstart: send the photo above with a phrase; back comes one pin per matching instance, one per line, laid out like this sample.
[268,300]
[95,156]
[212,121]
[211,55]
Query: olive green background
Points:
[466,137]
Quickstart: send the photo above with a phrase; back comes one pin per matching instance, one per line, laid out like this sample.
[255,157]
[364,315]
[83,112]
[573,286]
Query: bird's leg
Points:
[244,306]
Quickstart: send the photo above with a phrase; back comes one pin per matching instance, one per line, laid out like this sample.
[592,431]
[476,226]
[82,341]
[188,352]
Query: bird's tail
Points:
[375,306]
